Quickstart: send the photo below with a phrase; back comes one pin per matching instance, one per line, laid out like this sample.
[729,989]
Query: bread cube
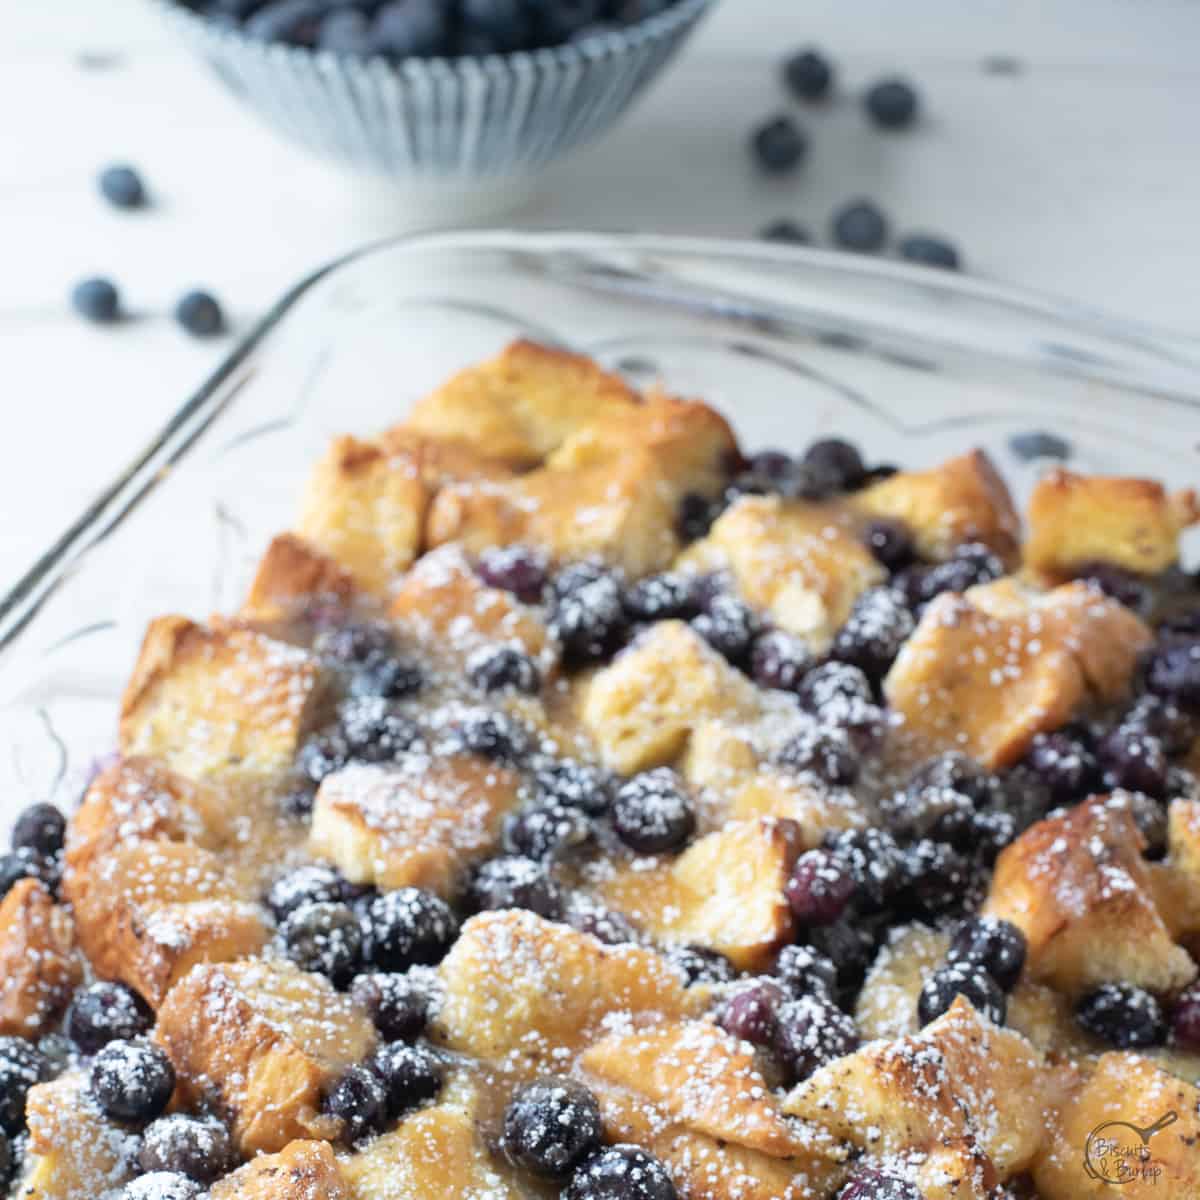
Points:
[302,1170]
[1075,520]
[261,1041]
[813,810]
[39,968]
[1079,889]
[418,823]
[290,574]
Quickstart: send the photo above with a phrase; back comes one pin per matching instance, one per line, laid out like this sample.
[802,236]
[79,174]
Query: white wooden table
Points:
[1073,169]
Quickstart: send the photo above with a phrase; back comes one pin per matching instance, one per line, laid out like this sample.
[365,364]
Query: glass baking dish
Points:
[914,364]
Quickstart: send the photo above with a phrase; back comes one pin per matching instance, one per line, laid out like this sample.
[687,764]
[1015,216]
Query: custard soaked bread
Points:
[581,805]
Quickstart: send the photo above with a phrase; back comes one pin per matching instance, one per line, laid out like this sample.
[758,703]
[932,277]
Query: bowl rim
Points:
[610,44]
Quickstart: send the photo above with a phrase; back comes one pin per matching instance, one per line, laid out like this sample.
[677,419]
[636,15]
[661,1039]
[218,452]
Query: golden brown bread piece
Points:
[39,968]
[519,988]
[1079,519]
[1079,889]
[964,499]
[302,1170]
[813,810]
[986,671]
[219,702]
[261,1040]
[1087,1157]
[802,563]
[1176,881]
[418,823]
[291,573]
[522,404]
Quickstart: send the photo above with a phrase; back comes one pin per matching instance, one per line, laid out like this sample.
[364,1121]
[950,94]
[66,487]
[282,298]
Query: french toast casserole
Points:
[581,804]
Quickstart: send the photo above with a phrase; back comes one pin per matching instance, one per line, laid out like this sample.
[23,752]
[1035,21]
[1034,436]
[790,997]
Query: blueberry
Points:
[1116,583]
[324,938]
[354,643]
[621,1172]
[850,946]
[929,251]
[878,626]
[543,831]
[551,1126]
[605,924]
[869,1184]
[891,543]
[132,1080]
[970,564]
[105,1012]
[1123,1015]
[804,971]
[412,29]
[838,458]
[819,888]
[575,785]
[938,812]
[388,676]
[507,24]
[779,660]
[779,145]
[874,862]
[200,315]
[97,300]
[729,626]
[398,1006]
[957,771]
[826,753]
[586,613]
[937,879]
[1133,759]
[699,964]
[310,884]
[960,978]
[14,868]
[7,1161]
[493,735]
[995,945]
[501,668]
[1067,767]
[359,1101]
[652,813]
[750,1013]
[891,104]
[411,1075]
[294,21]
[322,756]
[516,569]
[1033,444]
[663,597]
[373,732]
[21,1066]
[515,882]
[558,21]
[811,1031]
[195,1147]
[408,927]
[835,692]
[40,829]
[991,832]
[1174,672]
[629,12]
[161,1185]
[786,232]
[808,74]
[695,517]
[1185,1020]
[1164,720]
[122,187]
[346,31]
[861,226]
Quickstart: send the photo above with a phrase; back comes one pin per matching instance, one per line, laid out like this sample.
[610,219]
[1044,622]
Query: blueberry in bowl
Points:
[437,92]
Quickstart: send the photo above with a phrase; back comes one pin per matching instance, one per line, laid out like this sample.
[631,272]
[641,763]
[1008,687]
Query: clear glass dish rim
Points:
[1177,354]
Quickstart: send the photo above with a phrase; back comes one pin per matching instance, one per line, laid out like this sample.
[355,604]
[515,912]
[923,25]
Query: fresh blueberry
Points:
[861,226]
[412,29]
[161,1185]
[809,74]
[995,945]
[1134,760]
[97,300]
[574,784]
[324,938]
[21,1066]
[729,626]
[875,863]
[514,882]
[132,1080]
[398,1006]
[1067,767]
[310,884]
[195,1147]
[346,31]
[516,569]
[360,1102]
[411,1075]
[699,964]
[878,626]
[1185,1020]
[804,971]
[779,660]
[503,668]
[294,21]
[200,315]
[811,1031]
[967,979]
[621,1172]
[1174,672]
[122,187]
[106,1012]
[542,831]
[587,613]
[652,813]
[39,829]
[373,732]
[839,459]
[1123,1015]
[1034,444]
[824,752]
[663,597]
[551,1126]
[750,1013]
[1116,583]
[558,21]
[779,145]
[929,251]
[408,927]
[869,1184]
[819,888]
[493,735]
[891,104]
[890,542]
[786,232]
[507,24]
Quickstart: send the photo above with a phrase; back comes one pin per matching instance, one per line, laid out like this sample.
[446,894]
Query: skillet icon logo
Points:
[1118,1152]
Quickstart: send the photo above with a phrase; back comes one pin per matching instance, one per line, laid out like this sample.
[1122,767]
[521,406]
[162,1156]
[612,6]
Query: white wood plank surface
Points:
[1075,172]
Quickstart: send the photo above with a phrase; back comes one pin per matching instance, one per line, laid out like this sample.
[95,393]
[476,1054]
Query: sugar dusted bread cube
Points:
[811,809]
[960,1077]
[987,671]
[641,709]
[39,968]
[521,988]
[1097,1149]
[1079,889]
[219,702]
[962,500]
[290,574]
[802,563]
[1075,520]
[261,1041]
[419,823]
[522,404]
[302,1170]
[1176,881]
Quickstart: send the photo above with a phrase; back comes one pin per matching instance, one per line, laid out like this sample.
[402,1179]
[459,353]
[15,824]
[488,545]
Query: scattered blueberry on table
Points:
[891,104]
[779,145]
[861,226]
[929,251]
[808,74]
[786,231]
[97,300]
[200,314]
[122,187]
[1037,443]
